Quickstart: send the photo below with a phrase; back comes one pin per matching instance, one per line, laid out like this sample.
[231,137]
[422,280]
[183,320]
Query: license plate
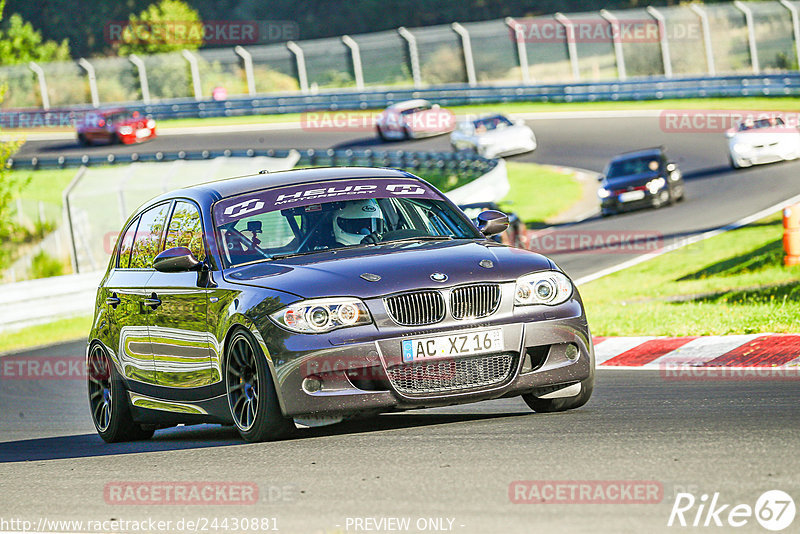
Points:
[456,345]
[143,132]
[630,196]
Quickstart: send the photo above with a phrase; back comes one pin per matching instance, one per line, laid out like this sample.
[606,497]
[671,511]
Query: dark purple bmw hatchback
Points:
[309,296]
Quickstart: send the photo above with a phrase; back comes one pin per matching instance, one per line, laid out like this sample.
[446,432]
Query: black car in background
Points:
[640,179]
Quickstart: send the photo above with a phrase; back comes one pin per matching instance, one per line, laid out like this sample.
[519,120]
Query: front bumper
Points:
[613,203]
[355,373]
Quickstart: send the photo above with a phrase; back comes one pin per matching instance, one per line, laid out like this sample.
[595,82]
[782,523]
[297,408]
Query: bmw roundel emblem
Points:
[439,277]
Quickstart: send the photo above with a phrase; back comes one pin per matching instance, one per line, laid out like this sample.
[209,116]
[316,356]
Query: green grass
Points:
[45,185]
[530,184]
[72,329]
[734,283]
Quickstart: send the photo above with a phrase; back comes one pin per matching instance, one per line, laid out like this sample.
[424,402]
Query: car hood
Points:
[633,180]
[401,267]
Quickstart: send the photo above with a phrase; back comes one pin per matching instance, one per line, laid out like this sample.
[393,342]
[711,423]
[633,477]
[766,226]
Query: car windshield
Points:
[631,166]
[309,218]
[415,109]
[761,123]
[491,123]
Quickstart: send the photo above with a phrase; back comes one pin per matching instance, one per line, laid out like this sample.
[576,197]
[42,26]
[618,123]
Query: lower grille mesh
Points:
[451,375]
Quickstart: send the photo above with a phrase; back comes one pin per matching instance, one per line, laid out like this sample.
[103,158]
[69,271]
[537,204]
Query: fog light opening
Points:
[312,384]
[572,352]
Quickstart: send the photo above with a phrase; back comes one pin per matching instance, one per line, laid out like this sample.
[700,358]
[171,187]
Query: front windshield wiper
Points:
[419,238]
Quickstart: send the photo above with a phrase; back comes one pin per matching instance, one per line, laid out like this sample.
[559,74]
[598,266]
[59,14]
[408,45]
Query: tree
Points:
[10,186]
[169,26]
[21,43]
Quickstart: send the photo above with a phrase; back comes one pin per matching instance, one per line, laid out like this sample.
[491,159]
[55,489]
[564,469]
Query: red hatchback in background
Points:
[115,126]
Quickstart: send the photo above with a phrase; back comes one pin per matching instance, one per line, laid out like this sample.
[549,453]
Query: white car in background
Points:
[493,136]
[413,119]
[753,142]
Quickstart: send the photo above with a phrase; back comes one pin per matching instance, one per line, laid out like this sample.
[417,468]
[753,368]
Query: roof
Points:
[655,151]
[408,104]
[242,184]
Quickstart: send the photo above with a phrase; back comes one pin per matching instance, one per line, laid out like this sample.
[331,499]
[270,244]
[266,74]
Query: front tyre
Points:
[566,403]
[111,413]
[251,393]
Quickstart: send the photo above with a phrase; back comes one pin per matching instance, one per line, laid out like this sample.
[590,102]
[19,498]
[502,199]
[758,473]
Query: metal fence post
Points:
[195,69]
[247,59]
[572,48]
[522,52]
[751,33]
[413,54]
[466,47]
[662,36]
[89,68]
[795,27]
[712,71]
[68,217]
[42,84]
[616,40]
[300,60]
[140,67]
[355,57]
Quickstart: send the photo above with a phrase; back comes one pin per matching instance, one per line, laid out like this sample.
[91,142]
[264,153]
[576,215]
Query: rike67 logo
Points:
[774,510]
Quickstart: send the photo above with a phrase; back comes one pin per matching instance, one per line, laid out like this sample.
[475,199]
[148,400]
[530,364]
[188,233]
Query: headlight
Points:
[603,192]
[741,148]
[151,123]
[655,184]
[125,130]
[547,287]
[322,315]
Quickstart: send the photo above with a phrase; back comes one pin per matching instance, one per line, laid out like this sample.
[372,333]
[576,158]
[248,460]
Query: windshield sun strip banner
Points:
[234,208]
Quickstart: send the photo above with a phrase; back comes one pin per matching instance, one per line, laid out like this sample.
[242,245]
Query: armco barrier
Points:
[317,157]
[651,88]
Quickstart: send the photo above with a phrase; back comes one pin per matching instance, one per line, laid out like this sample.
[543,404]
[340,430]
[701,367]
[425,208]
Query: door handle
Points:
[113,301]
[153,301]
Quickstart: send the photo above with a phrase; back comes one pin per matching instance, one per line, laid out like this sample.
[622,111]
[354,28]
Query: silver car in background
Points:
[753,142]
[413,119]
[493,136]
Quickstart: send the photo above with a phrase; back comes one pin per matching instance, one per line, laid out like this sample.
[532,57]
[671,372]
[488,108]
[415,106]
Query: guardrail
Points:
[445,161]
[654,88]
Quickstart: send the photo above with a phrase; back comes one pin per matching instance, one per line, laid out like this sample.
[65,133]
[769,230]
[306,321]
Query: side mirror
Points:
[492,222]
[729,134]
[176,260]
[600,177]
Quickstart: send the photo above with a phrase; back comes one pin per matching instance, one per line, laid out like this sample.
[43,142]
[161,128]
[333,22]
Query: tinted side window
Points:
[186,230]
[148,237]
[126,244]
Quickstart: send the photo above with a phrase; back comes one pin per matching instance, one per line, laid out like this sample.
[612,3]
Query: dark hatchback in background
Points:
[640,179]
[314,295]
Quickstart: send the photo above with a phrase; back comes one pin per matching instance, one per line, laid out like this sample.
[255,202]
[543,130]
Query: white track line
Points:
[692,239]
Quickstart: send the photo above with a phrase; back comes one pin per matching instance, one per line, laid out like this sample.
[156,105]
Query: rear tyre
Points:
[82,140]
[567,403]
[381,134]
[251,393]
[111,413]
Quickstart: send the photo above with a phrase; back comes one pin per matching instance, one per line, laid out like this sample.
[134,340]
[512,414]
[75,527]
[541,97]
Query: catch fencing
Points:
[687,41]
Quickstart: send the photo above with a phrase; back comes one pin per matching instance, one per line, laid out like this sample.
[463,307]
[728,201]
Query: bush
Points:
[43,265]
